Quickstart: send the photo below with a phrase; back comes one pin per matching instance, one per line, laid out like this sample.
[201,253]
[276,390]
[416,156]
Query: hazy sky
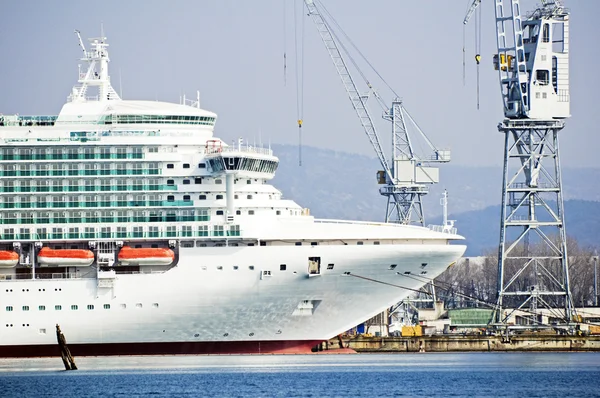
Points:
[232,51]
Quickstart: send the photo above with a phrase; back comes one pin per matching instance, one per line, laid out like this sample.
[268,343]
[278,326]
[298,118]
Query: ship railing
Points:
[443,229]
[328,221]
[244,149]
[53,275]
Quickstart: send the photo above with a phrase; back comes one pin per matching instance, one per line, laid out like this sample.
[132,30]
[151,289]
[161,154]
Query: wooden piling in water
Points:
[65,354]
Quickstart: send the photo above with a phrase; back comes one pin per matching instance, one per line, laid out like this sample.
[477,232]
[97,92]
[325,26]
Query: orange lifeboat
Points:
[145,256]
[8,259]
[65,257]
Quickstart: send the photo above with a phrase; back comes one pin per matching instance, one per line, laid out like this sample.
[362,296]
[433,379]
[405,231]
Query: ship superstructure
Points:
[134,228]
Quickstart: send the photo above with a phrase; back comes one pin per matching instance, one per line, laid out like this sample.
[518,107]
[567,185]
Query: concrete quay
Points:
[467,343]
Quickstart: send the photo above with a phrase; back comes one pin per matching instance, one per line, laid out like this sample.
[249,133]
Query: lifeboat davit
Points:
[8,259]
[145,256]
[65,257]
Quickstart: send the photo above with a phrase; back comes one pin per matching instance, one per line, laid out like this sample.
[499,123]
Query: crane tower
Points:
[406,178]
[533,67]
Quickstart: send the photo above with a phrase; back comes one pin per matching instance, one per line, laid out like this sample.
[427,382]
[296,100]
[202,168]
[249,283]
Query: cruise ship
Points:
[134,228]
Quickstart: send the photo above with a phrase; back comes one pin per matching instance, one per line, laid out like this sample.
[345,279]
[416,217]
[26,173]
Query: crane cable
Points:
[478,46]
[284,44]
[299,59]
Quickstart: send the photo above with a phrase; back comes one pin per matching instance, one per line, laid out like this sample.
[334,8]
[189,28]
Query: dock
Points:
[468,343]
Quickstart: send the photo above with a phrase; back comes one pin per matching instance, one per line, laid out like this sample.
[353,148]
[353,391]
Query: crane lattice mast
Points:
[533,67]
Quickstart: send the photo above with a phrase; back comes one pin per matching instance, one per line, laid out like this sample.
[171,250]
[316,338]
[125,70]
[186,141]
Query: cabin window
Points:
[251,267]
[219,212]
[170,166]
[314,243]
[123,306]
[9,308]
[186,165]
[58,307]
[251,212]
[298,243]
[201,165]
[155,305]
[359,243]
[218,181]
[170,198]
[278,212]
[107,306]
[42,308]
[235,267]
[542,76]
[282,267]
[198,180]
[330,266]
[74,307]
[376,242]
[546,33]
[186,198]
[186,182]
[238,212]
[170,182]
[138,305]
[25,308]
[90,307]
[249,197]
[202,197]
[248,181]
[393,266]
[220,267]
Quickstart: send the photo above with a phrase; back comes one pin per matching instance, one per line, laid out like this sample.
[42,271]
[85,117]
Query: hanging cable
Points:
[299,58]
[464,57]
[478,46]
[284,44]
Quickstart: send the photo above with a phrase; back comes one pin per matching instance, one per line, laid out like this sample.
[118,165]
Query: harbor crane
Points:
[532,61]
[404,179]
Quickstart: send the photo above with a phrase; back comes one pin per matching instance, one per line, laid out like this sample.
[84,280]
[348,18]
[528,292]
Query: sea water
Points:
[359,375]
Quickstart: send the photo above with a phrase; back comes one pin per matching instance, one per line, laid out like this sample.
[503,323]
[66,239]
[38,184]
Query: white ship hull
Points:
[197,307]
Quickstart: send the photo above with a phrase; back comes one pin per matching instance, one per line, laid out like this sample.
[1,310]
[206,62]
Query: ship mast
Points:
[96,74]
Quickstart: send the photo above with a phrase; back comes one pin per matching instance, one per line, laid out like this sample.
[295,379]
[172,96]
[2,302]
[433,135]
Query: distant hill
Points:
[341,185]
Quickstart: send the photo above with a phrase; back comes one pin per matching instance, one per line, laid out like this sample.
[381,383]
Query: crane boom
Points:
[471,10]
[358,101]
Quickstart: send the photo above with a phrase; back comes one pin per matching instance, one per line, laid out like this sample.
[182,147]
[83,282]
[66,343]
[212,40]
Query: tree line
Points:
[472,282]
